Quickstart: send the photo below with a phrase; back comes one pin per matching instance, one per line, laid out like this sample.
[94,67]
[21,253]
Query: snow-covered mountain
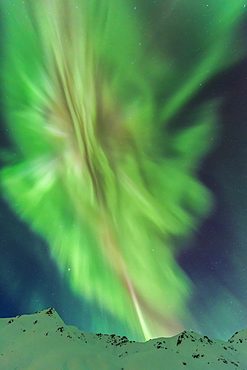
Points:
[43,341]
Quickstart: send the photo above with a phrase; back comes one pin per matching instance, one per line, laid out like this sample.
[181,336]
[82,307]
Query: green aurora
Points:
[99,173]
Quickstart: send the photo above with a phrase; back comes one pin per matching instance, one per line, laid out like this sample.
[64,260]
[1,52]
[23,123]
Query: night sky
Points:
[210,250]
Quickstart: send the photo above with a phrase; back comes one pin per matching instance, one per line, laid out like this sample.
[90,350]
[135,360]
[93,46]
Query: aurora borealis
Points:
[115,116]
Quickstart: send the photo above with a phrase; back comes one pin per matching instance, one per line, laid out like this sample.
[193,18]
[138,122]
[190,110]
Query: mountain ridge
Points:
[43,340]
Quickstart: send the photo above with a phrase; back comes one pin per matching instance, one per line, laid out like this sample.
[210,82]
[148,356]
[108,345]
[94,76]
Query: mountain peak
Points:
[42,340]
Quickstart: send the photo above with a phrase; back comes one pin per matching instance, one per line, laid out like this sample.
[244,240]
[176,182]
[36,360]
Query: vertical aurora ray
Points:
[91,175]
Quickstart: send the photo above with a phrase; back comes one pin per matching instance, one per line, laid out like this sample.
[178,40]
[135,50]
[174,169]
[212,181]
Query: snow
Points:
[42,341]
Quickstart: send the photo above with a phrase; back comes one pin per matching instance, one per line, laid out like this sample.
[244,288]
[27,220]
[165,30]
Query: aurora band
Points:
[95,167]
